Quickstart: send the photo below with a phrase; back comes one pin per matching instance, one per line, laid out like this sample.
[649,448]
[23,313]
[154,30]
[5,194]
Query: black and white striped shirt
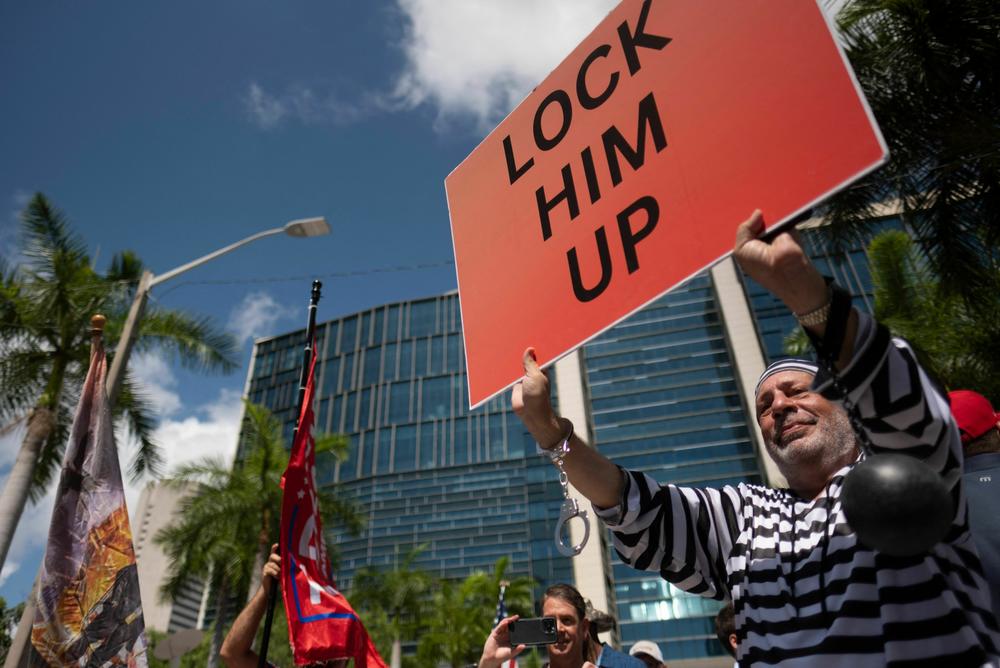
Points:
[812,595]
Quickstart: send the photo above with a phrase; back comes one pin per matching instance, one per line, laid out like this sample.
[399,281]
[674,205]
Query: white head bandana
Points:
[786,364]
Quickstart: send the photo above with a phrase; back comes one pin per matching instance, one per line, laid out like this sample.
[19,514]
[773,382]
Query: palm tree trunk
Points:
[15,492]
[220,622]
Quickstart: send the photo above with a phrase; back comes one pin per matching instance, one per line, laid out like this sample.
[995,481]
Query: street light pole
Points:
[18,653]
[305,227]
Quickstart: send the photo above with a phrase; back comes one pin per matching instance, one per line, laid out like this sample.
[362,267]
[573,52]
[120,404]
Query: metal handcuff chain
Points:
[894,502]
[570,507]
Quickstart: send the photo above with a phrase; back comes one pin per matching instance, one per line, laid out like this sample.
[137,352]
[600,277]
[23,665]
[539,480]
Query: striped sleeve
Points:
[683,533]
[899,407]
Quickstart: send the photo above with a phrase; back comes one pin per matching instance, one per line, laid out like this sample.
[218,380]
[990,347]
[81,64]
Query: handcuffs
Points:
[570,507]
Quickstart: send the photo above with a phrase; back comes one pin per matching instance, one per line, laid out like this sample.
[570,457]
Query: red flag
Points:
[321,623]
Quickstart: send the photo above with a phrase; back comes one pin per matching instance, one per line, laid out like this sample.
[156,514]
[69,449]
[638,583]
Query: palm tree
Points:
[8,621]
[225,525]
[393,604]
[931,72]
[45,306]
[957,341]
[462,615]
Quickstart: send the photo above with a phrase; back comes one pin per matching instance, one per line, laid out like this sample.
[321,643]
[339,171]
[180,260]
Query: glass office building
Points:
[425,469]
[662,393]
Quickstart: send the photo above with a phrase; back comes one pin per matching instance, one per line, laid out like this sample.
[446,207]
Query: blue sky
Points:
[173,129]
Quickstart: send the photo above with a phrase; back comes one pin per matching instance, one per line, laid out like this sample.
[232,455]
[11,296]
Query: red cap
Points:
[973,413]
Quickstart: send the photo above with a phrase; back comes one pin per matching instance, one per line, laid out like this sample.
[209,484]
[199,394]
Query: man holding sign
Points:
[806,589]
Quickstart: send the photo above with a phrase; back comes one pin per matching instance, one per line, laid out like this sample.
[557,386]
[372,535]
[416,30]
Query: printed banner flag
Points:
[88,610]
[627,170]
[321,623]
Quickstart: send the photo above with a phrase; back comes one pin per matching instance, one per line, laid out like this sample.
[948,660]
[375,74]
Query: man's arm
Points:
[236,649]
[781,266]
[900,409]
[590,472]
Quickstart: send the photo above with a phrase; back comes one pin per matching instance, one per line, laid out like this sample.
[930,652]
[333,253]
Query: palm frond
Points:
[23,376]
[125,267]
[51,457]
[48,238]
[796,343]
[336,445]
[135,409]
[929,70]
[195,342]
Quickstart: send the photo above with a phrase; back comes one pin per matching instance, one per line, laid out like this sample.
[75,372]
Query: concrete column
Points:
[747,353]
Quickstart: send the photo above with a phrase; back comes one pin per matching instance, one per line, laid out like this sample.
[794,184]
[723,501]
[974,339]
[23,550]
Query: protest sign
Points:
[627,170]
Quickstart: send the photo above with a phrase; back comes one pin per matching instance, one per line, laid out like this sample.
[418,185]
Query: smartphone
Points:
[535,631]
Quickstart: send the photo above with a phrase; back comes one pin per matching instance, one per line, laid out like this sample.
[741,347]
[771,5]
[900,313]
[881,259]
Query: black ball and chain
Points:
[895,503]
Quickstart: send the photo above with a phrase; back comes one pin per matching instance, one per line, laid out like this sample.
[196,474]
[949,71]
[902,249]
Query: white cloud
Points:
[157,381]
[9,569]
[264,109]
[297,103]
[466,59]
[479,58]
[257,315]
[210,433]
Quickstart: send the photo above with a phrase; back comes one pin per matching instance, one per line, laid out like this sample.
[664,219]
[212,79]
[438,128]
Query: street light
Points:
[303,227]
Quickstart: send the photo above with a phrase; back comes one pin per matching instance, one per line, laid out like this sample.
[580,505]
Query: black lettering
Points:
[615,143]
[629,238]
[587,294]
[631,40]
[562,98]
[568,193]
[593,187]
[582,94]
[514,172]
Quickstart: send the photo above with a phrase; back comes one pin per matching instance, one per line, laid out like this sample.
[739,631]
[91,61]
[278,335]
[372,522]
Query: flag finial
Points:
[97,323]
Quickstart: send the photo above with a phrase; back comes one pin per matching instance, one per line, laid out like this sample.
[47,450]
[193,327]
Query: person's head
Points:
[977,422]
[648,652]
[725,629]
[572,646]
[807,436]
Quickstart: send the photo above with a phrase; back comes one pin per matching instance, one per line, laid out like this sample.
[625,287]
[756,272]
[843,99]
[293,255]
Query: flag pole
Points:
[307,354]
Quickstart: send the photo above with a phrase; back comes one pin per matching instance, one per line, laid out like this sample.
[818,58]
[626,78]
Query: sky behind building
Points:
[173,129]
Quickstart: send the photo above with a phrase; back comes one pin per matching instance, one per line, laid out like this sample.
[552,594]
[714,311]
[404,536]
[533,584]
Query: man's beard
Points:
[830,444]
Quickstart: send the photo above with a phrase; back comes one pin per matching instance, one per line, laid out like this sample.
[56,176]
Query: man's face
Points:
[571,630]
[799,426]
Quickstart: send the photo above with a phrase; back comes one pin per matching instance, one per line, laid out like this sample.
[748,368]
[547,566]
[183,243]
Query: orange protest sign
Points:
[627,170]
